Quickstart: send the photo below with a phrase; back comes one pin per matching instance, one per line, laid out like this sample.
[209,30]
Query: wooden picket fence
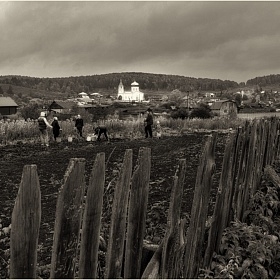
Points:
[77,223]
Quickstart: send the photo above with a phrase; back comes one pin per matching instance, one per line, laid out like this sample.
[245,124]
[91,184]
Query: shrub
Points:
[202,112]
[180,114]
[251,249]
[167,105]
[31,111]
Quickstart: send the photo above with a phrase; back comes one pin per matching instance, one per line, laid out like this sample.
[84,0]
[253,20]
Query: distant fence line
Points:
[248,151]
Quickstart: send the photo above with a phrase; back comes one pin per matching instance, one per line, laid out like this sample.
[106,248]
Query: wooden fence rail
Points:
[248,153]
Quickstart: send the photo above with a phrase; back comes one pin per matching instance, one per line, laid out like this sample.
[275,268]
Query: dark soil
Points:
[52,163]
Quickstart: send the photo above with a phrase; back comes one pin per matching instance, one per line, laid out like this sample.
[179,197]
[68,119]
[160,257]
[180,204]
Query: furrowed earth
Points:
[52,163]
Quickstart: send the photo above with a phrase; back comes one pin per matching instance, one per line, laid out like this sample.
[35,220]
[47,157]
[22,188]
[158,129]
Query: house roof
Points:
[36,100]
[82,93]
[7,102]
[218,104]
[85,105]
[65,104]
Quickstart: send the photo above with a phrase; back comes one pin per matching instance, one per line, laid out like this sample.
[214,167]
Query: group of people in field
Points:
[79,124]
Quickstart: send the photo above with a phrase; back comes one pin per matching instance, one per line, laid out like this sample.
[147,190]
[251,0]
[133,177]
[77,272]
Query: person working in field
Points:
[56,128]
[148,123]
[79,123]
[158,130]
[43,125]
[99,131]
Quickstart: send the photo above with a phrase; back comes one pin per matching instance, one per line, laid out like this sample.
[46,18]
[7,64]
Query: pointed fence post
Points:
[250,169]
[68,221]
[240,189]
[223,205]
[92,220]
[259,155]
[26,218]
[171,243]
[196,231]
[137,214]
[115,252]
[273,135]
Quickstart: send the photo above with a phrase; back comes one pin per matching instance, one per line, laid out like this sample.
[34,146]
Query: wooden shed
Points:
[224,108]
[7,106]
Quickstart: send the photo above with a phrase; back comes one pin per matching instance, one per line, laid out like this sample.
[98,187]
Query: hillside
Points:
[110,82]
[23,88]
[23,95]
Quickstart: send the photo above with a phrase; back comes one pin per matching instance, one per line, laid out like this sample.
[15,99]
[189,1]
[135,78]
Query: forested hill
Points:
[151,82]
[265,80]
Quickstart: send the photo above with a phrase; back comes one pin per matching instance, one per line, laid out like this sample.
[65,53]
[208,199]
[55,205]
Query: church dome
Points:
[135,84]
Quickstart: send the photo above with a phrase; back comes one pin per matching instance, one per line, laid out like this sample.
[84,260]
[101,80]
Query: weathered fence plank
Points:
[137,214]
[171,243]
[26,219]
[92,220]
[196,231]
[152,271]
[258,157]
[68,221]
[271,141]
[223,206]
[277,142]
[267,127]
[249,170]
[274,141]
[115,252]
[240,189]
[235,155]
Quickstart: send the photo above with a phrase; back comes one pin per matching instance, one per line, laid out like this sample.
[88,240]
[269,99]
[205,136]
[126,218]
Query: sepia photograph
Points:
[139,139]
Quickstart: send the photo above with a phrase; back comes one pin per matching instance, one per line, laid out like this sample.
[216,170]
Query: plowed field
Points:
[52,163]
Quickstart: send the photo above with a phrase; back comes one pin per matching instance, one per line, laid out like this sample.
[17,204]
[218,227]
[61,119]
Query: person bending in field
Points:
[99,131]
[43,125]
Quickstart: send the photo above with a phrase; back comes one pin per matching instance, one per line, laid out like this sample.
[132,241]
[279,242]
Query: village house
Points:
[135,95]
[62,107]
[224,108]
[83,99]
[209,94]
[7,106]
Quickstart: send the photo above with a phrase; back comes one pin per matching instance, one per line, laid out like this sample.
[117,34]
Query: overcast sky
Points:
[222,40]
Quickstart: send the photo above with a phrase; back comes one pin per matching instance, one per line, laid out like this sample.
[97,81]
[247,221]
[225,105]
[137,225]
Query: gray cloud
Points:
[225,40]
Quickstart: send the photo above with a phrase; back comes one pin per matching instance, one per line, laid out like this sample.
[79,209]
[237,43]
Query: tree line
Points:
[110,82]
[265,80]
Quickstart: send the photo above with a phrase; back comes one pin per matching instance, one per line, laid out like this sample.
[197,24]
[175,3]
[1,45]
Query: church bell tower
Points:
[121,88]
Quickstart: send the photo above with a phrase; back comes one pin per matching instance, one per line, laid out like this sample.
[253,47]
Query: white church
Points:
[135,95]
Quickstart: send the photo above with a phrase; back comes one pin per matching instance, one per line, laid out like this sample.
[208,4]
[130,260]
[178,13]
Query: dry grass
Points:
[132,128]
